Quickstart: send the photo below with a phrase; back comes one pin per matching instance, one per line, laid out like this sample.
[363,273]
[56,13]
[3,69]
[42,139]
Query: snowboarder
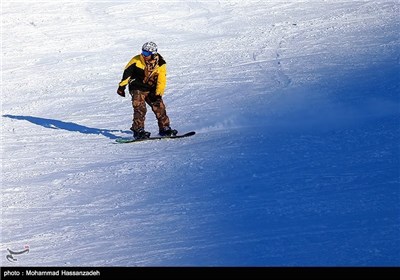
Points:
[145,74]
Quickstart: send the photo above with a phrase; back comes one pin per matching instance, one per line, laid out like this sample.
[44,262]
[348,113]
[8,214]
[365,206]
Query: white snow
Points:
[296,156]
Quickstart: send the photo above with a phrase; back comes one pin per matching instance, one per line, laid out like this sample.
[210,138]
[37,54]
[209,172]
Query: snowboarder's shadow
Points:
[69,126]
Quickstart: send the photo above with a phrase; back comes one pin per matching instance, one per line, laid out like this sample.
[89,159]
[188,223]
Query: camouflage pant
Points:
[139,100]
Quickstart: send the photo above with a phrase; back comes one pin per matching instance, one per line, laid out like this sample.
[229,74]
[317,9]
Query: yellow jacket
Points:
[134,75]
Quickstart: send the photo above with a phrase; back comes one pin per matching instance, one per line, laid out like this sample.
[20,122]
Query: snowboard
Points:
[131,140]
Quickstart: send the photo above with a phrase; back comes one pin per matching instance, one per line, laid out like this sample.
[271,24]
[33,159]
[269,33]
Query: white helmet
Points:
[150,47]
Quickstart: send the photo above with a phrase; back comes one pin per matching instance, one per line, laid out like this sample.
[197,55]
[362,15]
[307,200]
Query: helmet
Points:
[150,47]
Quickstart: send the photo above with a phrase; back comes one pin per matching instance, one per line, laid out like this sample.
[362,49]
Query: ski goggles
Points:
[147,53]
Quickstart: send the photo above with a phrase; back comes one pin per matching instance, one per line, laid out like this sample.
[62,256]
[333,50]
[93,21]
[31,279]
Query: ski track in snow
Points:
[296,157]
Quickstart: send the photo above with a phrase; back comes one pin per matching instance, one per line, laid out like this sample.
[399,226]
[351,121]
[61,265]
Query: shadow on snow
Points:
[69,126]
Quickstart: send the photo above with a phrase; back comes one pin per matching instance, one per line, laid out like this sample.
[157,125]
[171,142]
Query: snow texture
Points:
[296,157]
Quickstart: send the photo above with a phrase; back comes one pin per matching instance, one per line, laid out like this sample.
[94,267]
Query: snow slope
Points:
[296,157]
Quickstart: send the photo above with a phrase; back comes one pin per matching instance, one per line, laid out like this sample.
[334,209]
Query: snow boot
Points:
[141,134]
[168,131]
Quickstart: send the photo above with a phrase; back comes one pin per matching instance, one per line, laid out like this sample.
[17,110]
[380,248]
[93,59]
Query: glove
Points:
[154,98]
[121,91]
